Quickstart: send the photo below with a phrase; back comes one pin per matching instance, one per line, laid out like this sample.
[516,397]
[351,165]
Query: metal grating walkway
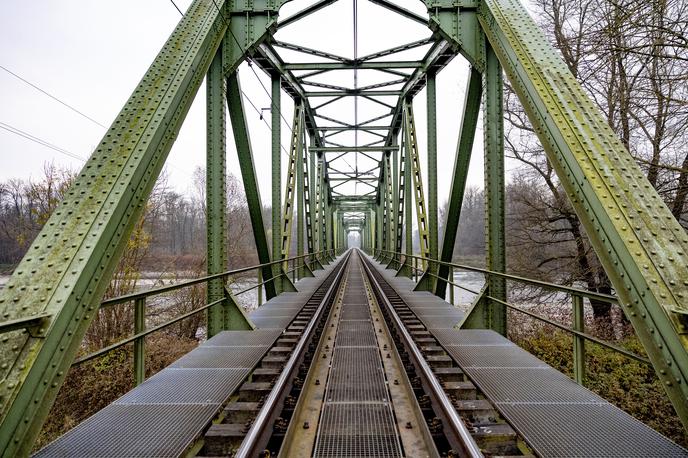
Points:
[357,418]
[555,415]
[163,416]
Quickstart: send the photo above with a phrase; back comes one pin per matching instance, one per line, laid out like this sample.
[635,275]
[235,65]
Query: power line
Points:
[260,114]
[53,97]
[175,5]
[40,141]
[243,51]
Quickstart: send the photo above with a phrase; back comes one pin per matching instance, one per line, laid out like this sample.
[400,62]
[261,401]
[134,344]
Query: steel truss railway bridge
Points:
[355,352]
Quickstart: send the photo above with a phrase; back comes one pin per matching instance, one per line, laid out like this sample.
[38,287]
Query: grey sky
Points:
[92,55]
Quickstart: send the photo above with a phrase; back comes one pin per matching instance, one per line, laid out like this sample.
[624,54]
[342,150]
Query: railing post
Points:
[450,278]
[415,269]
[139,343]
[578,341]
[260,288]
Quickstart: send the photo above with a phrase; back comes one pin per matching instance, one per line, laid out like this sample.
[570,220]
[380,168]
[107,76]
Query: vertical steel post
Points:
[276,179]
[431,90]
[450,278]
[216,195]
[300,204]
[313,197]
[393,205]
[493,118]
[260,287]
[578,342]
[139,343]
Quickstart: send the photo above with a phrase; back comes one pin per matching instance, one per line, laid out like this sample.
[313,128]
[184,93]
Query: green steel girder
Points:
[405,268]
[354,92]
[305,12]
[640,244]
[351,65]
[237,115]
[276,188]
[457,23]
[216,192]
[398,49]
[268,59]
[438,56]
[415,169]
[428,280]
[67,268]
[399,190]
[493,131]
[464,147]
[295,149]
[303,223]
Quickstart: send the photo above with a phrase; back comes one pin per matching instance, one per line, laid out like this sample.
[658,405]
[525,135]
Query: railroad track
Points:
[461,419]
[256,418]
[266,411]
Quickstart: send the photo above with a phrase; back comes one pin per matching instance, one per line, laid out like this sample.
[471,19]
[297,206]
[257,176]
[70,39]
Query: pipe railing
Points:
[577,296]
[309,261]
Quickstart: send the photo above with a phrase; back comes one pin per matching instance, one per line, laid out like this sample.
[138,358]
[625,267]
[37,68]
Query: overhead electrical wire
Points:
[273,105]
[53,97]
[40,141]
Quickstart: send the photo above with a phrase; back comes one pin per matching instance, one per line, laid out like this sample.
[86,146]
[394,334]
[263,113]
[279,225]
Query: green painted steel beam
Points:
[276,163]
[464,147]
[400,10]
[405,269]
[428,280]
[216,192]
[439,55]
[295,147]
[460,27]
[353,149]
[268,59]
[398,49]
[640,244]
[317,6]
[301,184]
[493,130]
[237,115]
[354,92]
[352,65]
[67,268]
[307,50]
[417,178]
[352,128]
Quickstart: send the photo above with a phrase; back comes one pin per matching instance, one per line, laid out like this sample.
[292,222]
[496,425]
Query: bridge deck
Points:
[555,415]
[165,414]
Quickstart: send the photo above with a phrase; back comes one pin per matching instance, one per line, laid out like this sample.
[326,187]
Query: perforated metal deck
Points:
[357,418]
[556,416]
[163,416]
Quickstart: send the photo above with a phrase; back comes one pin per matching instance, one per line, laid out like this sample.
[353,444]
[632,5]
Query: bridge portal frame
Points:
[56,290]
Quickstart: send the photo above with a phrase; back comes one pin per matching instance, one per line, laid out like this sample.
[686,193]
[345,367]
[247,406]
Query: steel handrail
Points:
[195,281]
[531,281]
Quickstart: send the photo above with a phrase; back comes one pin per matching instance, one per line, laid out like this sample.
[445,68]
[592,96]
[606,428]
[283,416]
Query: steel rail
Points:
[457,425]
[260,426]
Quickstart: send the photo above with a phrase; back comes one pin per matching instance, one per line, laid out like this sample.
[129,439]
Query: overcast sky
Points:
[92,54]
